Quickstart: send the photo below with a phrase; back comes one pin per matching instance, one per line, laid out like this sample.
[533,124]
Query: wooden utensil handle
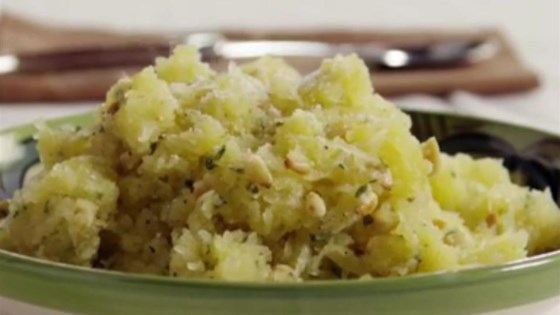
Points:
[92,58]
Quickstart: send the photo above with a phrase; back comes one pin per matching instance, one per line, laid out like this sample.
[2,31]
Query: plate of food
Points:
[259,190]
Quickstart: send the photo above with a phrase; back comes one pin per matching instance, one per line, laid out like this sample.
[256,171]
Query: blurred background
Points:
[531,29]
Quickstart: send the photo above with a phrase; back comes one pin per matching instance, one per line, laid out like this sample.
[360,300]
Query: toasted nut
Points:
[270,109]
[315,204]
[206,204]
[387,180]
[370,201]
[283,273]
[297,167]
[202,186]
[205,236]
[385,219]
[297,162]
[257,171]
[450,238]
[382,177]
[196,266]
[274,111]
[456,238]
[284,268]
[430,151]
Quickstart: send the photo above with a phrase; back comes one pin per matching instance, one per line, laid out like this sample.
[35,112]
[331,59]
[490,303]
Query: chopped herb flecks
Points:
[153,147]
[252,188]
[46,209]
[238,170]
[362,189]
[189,183]
[367,220]
[209,163]
[220,153]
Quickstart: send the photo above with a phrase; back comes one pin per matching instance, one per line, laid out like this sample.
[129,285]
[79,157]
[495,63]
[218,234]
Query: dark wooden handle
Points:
[92,58]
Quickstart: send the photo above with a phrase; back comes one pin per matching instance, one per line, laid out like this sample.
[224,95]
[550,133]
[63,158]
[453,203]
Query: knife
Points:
[213,47]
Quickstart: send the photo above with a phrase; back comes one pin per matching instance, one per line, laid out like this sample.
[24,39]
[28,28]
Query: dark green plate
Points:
[531,155]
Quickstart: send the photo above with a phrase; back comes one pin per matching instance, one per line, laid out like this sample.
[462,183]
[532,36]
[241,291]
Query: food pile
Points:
[260,174]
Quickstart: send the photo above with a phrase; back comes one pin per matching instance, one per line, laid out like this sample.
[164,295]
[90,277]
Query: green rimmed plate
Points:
[533,156]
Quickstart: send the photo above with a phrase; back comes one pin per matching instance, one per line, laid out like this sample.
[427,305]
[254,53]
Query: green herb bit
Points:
[367,220]
[209,163]
[254,189]
[153,147]
[220,153]
[418,260]
[189,183]
[319,237]
[238,170]
[46,209]
[449,233]
[361,190]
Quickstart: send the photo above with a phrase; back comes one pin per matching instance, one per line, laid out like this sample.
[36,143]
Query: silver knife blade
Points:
[375,55]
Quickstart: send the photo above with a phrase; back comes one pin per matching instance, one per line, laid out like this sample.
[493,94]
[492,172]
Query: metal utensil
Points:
[214,46]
